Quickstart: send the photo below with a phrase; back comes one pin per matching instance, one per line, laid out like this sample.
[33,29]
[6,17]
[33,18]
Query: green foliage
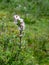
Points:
[35,41]
[35,7]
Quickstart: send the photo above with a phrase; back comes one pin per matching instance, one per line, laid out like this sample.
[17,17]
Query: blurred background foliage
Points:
[35,41]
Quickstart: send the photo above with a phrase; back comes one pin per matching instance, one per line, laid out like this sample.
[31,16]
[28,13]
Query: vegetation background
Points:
[35,41]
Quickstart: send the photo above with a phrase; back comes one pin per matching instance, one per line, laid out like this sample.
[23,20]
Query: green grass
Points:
[35,40]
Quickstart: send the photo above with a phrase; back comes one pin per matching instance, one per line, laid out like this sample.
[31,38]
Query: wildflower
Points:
[16,18]
[22,24]
[19,21]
